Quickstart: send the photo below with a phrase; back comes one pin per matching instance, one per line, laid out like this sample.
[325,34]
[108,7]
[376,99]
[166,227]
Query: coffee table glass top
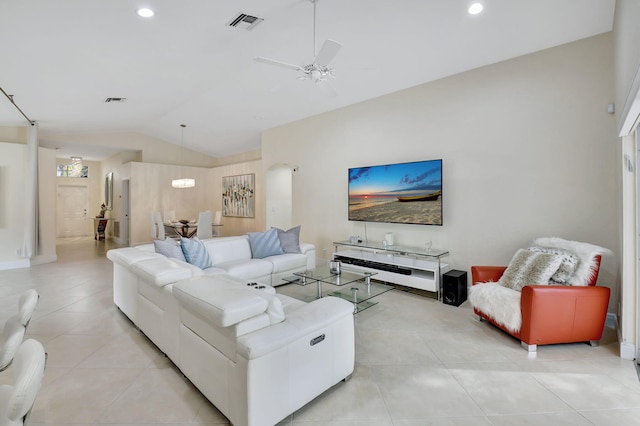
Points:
[359,293]
[322,273]
[355,286]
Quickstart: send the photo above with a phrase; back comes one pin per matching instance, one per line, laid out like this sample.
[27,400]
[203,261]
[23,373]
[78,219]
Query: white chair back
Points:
[217,220]
[159,227]
[204,225]
[27,305]
[16,327]
[153,227]
[170,216]
[28,371]
[12,336]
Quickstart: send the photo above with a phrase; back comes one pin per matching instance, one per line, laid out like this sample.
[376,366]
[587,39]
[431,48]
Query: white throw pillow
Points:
[567,267]
[529,268]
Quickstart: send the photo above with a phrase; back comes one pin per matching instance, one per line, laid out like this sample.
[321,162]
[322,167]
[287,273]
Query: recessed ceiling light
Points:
[145,12]
[475,8]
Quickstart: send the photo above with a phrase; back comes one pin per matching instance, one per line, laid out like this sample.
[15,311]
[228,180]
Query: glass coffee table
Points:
[355,286]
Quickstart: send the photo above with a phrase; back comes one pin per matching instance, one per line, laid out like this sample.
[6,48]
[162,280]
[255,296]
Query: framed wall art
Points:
[238,196]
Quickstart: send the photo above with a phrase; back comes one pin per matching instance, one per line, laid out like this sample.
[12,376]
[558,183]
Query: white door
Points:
[72,206]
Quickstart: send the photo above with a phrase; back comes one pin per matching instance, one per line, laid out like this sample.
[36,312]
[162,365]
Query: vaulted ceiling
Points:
[62,59]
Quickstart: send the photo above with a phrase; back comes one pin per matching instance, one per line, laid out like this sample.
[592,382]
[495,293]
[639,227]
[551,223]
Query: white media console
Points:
[402,265]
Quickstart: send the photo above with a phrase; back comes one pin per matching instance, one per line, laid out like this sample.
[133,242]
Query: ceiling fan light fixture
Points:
[318,70]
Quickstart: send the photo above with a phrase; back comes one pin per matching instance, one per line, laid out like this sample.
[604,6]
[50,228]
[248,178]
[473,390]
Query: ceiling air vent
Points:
[115,100]
[242,20]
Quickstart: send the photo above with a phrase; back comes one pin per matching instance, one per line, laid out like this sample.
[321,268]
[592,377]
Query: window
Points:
[73,170]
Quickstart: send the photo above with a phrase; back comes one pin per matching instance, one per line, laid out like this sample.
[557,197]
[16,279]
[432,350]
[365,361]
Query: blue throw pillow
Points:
[195,252]
[264,244]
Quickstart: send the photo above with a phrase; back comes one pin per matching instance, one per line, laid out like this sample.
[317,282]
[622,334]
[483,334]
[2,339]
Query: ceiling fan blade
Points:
[328,51]
[277,63]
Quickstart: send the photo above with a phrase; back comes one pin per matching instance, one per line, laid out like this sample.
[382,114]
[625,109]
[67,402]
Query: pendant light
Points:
[183,182]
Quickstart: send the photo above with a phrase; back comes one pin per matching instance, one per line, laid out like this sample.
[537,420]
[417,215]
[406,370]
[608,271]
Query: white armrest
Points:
[315,315]
[305,247]
[160,271]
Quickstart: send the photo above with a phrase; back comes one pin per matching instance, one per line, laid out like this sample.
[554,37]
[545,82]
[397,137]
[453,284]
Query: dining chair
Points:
[204,225]
[159,226]
[16,327]
[169,216]
[16,401]
[153,227]
[217,222]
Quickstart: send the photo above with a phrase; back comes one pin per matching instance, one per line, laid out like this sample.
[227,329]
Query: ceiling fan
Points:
[318,70]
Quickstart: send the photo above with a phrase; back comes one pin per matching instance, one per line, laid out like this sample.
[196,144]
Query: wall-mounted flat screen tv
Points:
[397,193]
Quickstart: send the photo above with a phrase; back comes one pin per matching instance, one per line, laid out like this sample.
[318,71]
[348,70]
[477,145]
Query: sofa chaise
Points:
[258,356]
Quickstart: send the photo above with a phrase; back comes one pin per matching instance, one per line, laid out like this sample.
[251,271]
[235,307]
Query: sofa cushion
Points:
[228,249]
[195,252]
[290,304]
[264,244]
[290,240]
[213,271]
[287,262]
[220,305]
[528,267]
[275,310]
[169,248]
[247,269]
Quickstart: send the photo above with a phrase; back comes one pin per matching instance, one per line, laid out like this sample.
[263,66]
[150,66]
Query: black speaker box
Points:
[454,287]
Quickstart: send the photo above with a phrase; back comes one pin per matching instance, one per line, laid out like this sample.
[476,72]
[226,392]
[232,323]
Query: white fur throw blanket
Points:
[586,252]
[502,304]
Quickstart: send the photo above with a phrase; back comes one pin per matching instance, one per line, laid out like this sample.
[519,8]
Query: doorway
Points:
[279,196]
[71,211]
[124,226]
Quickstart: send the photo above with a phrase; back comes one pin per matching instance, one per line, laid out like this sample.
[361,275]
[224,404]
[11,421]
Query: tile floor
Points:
[418,362]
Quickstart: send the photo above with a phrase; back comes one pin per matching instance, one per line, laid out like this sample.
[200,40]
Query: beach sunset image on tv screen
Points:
[397,193]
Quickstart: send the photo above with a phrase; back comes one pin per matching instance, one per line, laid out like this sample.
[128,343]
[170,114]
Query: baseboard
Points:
[40,260]
[15,264]
[627,350]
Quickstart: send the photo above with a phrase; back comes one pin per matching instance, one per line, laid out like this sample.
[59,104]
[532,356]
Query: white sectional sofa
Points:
[256,355]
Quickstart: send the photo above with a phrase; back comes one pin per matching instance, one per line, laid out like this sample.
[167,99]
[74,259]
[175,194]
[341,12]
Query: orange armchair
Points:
[553,313]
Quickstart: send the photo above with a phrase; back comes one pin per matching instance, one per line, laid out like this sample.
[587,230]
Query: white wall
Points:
[528,150]
[148,149]
[627,79]
[150,190]
[47,197]
[13,161]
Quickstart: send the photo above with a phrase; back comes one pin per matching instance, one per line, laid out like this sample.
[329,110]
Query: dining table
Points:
[186,230]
